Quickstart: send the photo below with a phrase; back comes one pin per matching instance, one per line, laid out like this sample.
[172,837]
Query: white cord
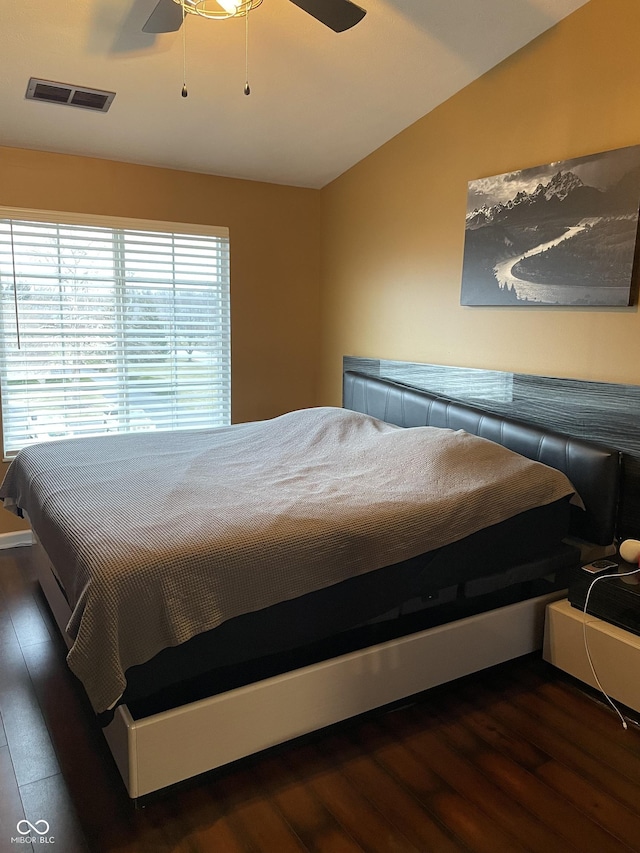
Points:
[15,286]
[586,644]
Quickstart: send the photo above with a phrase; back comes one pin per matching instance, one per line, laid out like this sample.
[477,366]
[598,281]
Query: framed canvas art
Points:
[560,234]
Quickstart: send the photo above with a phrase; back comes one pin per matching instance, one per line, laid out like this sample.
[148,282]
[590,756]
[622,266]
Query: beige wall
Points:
[394,224]
[275,261]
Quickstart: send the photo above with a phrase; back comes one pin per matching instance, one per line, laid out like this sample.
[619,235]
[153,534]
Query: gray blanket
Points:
[157,537]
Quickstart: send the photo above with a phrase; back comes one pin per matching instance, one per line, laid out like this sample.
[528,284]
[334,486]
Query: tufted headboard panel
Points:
[593,470]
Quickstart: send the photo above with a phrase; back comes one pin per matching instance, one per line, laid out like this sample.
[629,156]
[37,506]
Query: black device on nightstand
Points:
[612,599]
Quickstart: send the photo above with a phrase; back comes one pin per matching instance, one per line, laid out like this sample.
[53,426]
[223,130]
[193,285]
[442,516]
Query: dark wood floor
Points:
[516,758]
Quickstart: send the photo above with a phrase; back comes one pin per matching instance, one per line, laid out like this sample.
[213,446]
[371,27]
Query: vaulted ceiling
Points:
[319,101]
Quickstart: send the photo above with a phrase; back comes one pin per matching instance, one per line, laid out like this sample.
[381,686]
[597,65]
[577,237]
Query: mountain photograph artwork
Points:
[560,234]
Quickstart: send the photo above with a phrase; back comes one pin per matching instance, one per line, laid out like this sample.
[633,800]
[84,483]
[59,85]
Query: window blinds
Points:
[110,329]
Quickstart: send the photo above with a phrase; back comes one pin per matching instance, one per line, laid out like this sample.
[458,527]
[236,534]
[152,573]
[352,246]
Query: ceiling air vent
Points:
[73,96]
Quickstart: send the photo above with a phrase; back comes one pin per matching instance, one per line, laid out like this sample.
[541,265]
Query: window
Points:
[111,326]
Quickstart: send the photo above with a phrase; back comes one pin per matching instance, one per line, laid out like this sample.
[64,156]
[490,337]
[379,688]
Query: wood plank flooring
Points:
[515,758]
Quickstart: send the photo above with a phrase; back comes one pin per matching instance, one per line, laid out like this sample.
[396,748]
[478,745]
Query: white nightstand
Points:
[615,652]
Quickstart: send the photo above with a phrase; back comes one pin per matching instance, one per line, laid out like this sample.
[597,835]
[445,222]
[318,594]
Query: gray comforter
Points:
[157,537]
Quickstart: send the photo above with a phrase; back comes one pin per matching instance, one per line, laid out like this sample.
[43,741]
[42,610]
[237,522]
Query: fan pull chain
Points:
[185,92]
[247,88]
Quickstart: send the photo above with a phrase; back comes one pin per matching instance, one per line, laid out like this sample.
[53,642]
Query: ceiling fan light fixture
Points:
[218,9]
[230,7]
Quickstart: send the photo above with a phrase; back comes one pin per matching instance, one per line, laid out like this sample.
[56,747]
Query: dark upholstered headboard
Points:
[593,470]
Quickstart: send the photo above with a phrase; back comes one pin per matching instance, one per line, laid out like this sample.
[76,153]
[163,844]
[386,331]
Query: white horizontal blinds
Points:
[120,329]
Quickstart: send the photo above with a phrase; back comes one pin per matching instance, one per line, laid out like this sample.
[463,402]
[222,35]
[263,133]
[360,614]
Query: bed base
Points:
[170,747]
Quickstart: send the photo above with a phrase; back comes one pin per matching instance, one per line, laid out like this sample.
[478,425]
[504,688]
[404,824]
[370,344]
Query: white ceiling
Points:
[319,102]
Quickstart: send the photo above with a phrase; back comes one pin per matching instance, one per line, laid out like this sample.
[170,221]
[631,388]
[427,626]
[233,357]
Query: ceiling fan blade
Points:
[165,18]
[338,15]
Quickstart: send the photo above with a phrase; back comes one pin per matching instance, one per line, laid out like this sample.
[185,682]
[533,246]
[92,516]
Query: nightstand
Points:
[615,652]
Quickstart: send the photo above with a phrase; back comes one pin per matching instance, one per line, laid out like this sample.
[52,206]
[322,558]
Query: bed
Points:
[303,609]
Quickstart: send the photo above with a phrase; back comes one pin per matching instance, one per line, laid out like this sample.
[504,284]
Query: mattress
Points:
[516,559]
[159,538]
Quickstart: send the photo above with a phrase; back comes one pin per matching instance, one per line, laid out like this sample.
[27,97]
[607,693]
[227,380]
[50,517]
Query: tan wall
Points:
[394,224]
[275,247]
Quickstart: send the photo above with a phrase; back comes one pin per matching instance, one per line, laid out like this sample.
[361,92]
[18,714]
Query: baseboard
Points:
[16,539]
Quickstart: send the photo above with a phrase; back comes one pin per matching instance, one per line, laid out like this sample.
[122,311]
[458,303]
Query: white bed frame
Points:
[160,750]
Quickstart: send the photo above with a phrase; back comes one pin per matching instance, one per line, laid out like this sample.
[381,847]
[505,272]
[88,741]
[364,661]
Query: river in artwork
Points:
[557,294]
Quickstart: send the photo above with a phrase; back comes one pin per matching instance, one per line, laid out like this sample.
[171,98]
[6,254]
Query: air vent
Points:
[73,96]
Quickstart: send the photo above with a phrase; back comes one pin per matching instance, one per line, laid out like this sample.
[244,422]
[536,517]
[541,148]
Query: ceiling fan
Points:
[168,15]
